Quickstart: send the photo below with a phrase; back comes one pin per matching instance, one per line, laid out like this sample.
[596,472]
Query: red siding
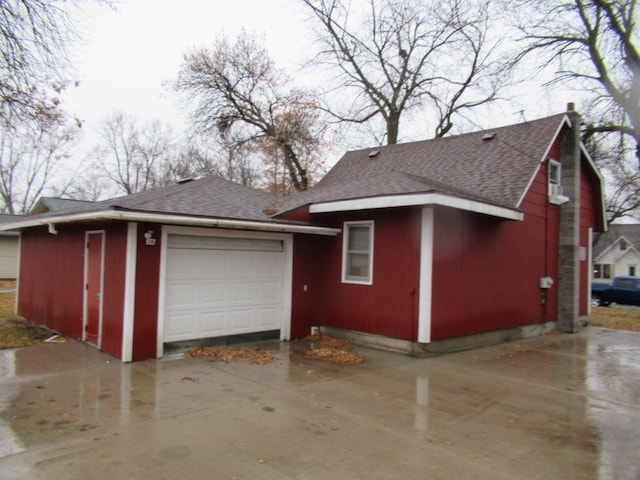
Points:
[114,275]
[51,278]
[308,266]
[389,306]
[145,331]
[51,284]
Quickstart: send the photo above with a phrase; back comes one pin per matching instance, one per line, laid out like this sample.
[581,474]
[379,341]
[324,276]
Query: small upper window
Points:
[554,173]
[623,244]
[358,253]
[555,183]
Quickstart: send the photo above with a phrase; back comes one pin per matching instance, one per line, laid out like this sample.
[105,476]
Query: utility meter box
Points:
[546,282]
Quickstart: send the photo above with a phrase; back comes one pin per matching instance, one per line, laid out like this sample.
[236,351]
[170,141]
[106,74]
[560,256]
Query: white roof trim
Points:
[565,121]
[168,219]
[418,199]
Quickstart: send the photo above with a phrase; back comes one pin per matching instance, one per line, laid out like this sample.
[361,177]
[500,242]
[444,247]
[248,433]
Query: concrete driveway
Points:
[553,407]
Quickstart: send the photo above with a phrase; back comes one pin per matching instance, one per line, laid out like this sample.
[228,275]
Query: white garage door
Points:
[219,286]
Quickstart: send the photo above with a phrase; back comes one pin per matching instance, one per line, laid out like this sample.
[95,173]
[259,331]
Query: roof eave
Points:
[132,216]
[419,199]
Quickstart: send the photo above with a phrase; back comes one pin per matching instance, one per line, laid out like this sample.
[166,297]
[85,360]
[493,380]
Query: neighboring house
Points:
[616,252]
[9,249]
[425,246]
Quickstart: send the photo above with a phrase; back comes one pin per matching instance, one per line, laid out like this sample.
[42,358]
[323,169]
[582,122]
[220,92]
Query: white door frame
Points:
[287,242]
[85,302]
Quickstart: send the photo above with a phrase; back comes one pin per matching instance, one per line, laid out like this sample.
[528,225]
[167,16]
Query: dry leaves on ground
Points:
[333,355]
[332,350]
[233,354]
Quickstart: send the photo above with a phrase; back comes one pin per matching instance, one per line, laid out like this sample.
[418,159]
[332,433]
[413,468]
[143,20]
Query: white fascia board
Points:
[418,199]
[565,121]
[170,219]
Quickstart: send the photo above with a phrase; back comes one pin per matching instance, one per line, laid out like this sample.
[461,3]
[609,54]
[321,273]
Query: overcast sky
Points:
[131,51]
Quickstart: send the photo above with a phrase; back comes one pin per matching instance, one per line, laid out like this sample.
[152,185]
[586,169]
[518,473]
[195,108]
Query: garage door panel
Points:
[269,291]
[241,292]
[182,295]
[240,321]
[268,318]
[214,293]
[212,323]
[211,263]
[180,326]
[181,263]
[222,286]
[268,264]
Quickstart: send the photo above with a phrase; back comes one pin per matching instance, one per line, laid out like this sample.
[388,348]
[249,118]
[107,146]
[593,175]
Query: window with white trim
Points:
[555,179]
[357,252]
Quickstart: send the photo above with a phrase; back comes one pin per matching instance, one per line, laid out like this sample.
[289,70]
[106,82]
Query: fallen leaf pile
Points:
[332,350]
[334,355]
[329,342]
[233,354]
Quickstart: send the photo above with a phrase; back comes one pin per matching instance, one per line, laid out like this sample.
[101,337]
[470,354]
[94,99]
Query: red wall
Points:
[145,330]
[389,306]
[51,282]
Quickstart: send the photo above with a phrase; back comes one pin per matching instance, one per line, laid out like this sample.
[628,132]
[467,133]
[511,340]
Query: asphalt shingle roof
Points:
[495,170]
[212,197]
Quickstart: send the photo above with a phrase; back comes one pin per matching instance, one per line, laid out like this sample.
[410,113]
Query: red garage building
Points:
[424,246]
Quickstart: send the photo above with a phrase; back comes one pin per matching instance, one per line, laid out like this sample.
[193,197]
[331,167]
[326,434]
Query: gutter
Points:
[167,219]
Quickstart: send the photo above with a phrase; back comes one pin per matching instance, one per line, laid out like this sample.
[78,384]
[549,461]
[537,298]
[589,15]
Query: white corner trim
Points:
[426,276]
[285,330]
[129,292]
[416,199]
[589,270]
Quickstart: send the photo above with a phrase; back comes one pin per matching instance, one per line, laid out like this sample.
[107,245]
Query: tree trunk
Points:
[393,126]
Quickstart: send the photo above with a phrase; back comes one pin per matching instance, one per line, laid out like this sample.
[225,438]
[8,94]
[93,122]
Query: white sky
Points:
[131,51]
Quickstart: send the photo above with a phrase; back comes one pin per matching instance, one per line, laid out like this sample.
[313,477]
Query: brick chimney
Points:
[569,254]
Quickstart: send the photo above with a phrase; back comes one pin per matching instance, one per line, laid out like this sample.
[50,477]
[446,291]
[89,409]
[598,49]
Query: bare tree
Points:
[132,156]
[221,155]
[34,38]
[595,46]
[400,55]
[33,156]
[237,91]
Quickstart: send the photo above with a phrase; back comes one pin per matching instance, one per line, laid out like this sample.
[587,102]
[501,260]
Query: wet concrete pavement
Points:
[553,407]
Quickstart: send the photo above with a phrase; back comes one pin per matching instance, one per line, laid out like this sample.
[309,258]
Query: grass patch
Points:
[615,317]
[16,332]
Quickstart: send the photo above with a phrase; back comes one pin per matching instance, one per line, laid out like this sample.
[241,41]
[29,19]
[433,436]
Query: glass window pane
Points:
[358,265]
[606,271]
[359,239]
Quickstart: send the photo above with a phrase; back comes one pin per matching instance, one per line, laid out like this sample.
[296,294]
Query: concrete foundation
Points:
[449,345]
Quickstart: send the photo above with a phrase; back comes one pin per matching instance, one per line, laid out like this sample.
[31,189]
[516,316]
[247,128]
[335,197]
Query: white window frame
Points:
[345,253]
[554,183]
